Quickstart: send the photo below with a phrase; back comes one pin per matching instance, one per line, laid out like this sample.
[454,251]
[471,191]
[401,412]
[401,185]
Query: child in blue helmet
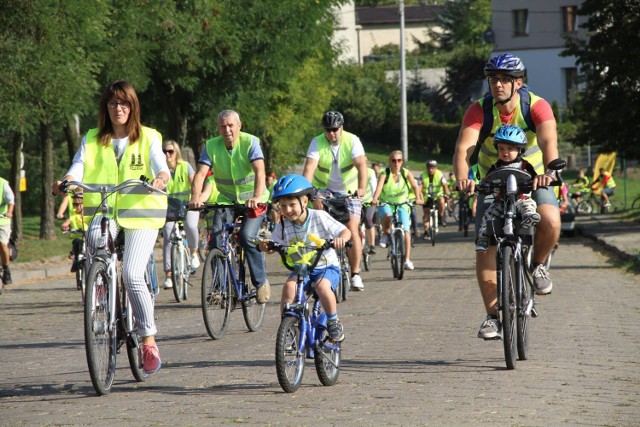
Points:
[511,142]
[301,224]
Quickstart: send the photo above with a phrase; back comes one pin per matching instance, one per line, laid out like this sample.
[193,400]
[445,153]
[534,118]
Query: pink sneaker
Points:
[150,359]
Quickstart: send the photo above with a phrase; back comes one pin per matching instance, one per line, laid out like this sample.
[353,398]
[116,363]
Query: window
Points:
[520,22]
[569,19]
[570,82]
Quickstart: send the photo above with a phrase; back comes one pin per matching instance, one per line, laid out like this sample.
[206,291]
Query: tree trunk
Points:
[47,224]
[72,135]
[14,182]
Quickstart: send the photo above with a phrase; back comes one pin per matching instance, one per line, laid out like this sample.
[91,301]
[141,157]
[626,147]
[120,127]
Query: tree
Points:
[610,89]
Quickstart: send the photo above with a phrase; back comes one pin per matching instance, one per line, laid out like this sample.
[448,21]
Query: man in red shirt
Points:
[505,75]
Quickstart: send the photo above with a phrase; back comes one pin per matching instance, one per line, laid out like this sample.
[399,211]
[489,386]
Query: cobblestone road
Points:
[411,355]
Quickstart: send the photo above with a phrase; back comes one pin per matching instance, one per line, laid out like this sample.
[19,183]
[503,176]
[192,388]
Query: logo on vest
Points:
[136,165]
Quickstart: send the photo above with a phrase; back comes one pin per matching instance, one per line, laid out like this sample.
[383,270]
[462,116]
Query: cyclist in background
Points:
[435,177]
[580,186]
[7,204]
[179,187]
[72,202]
[605,185]
[119,149]
[393,187]
[306,227]
[505,74]
[369,210]
[336,165]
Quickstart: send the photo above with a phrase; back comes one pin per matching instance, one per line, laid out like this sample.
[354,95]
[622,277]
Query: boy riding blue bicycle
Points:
[301,228]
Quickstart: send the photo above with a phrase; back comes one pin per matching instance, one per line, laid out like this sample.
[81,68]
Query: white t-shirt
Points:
[335,183]
[156,157]
[319,223]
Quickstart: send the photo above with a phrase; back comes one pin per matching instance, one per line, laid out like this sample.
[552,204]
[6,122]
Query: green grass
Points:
[34,249]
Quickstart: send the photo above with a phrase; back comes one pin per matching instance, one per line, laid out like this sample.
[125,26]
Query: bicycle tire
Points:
[178,267]
[81,280]
[524,297]
[401,256]
[433,226]
[327,360]
[508,304]
[584,208]
[100,342]
[216,294]
[636,203]
[133,344]
[339,291]
[290,361]
[346,282]
[252,312]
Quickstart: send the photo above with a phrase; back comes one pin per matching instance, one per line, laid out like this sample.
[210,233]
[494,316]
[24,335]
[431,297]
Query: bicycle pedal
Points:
[534,312]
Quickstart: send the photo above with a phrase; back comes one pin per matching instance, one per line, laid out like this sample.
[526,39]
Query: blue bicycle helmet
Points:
[509,134]
[505,63]
[332,120]
[291,185]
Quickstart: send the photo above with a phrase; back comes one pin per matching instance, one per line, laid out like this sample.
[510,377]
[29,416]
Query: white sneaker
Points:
[195,260]
[384,241]
[408,265]
[168,282]
[356,283]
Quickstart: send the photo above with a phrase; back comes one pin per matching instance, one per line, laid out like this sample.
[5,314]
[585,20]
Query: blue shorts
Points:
[609,191]
[542,196]
[331,273]
[403,215]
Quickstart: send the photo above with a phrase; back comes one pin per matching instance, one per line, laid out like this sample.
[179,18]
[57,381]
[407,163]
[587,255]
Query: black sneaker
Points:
[6,276]
[336,332]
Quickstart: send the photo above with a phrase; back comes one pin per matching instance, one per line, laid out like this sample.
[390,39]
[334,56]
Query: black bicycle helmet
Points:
[332,120]
[291,185]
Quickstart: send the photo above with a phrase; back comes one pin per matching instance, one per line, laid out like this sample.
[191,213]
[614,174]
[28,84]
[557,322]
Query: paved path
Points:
[410,357]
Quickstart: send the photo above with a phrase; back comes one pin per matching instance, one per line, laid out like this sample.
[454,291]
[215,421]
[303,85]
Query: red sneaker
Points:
[151,358]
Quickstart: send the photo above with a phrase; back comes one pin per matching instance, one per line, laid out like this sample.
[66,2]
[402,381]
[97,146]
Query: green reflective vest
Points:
[233,173]
[179,186]
[3,206]
[76,220]
[213,197]
[488,153]
[348,171]
[394,192]
[438,190]
[135,207]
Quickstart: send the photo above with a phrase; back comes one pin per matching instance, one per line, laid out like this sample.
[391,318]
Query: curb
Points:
[613,249]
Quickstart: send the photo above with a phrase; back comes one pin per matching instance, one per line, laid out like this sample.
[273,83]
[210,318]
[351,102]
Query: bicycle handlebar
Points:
[282,251]
[143,181]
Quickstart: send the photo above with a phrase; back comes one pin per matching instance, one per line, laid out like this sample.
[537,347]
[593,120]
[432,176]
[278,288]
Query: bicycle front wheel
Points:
[81,279]
[252,311]
[584,208]
[134,346]
[290,354]
[400,255]
[327,360]
[507,279]
[179,271]
[99,337]
[216,294]
[433,227]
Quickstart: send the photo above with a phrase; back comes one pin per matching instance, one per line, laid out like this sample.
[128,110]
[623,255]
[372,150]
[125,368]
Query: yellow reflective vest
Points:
[3,206]
[179,186]
[135,207]
[234,175]
[488,154]
[348,170]
[438,190]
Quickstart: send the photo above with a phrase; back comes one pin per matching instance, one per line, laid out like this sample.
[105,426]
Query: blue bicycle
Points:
[303,332]
[225,282]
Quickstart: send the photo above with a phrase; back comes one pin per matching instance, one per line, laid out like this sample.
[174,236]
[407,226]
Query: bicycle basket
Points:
[338,209]
[176,209]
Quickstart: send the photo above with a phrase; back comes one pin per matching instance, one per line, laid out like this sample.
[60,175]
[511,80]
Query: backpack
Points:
[387,172]
[487,122]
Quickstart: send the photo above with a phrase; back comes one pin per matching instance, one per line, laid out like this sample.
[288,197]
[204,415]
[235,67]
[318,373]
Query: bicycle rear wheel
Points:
[134,346]
[252,311]
[400,255]
[507,284]
[178,270]
[327,360]
[216,294]
[289,357]
[99,337]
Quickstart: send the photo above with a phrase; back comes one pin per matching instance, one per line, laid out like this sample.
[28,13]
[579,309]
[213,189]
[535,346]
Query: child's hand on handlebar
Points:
[339,243]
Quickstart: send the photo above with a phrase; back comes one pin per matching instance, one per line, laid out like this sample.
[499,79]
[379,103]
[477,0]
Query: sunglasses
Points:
[396,160]
[168,151]
[334,130]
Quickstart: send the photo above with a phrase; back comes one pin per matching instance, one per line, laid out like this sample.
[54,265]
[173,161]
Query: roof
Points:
[391,15]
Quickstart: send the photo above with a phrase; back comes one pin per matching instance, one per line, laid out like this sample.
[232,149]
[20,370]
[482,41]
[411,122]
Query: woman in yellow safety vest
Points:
[179,187]
[120,148]
[395,189]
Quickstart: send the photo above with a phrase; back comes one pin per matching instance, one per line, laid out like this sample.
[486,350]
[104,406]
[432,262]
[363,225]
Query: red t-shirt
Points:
[473,117]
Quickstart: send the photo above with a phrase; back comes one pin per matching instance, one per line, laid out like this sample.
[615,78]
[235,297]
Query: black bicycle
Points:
[516,296]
